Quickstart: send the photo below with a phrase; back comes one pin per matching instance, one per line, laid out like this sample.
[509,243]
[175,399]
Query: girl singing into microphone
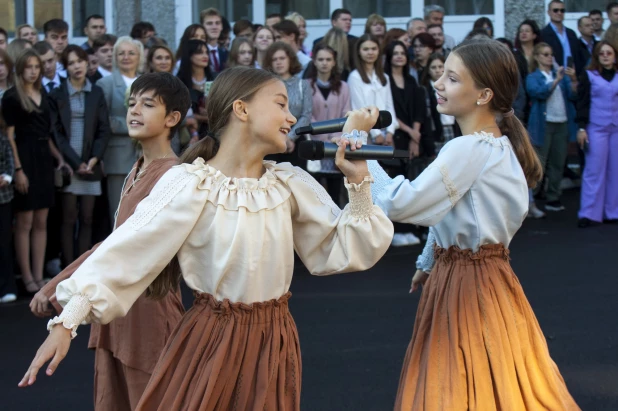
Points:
[476,342]
[234,221]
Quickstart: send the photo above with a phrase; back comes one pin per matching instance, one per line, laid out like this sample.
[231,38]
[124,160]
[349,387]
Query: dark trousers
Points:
[7,276]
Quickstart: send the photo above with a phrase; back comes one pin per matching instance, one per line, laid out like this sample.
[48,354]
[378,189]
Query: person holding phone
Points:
[551,123]
[597,118]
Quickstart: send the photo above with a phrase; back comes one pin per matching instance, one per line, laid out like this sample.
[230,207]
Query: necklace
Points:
[483,129]
[140,173]
[200,83]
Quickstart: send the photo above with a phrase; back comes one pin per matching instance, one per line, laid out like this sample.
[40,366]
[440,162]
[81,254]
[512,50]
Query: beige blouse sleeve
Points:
[108,283]
[329,240]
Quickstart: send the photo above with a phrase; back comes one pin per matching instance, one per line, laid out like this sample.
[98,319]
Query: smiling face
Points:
[76,67]
[161,61]
[127,57]
[263,39]
[213,27]
[269,117]
[201,58]
[146,116]
[457,93]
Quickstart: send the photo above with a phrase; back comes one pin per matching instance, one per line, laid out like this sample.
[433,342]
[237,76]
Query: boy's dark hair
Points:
[43,47]
[55,26]
[287,27]
[103,40]
[433,26]
[73,48]
[273,15]
[242,25]
[93,17]
[169,89]
[595,12]
[3,31]
[141,28]
[338,12]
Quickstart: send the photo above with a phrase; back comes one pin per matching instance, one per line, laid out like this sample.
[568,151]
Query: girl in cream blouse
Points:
[234,220]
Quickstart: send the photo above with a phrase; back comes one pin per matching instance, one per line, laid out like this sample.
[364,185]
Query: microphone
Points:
[333,126]
[317,150]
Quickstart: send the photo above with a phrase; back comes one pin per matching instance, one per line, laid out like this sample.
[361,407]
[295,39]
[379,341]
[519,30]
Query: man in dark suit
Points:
[587,40]
[562,40]
[342,19]
[213,24]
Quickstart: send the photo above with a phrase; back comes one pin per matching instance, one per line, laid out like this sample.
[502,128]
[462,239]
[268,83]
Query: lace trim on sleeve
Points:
[361,204]
[381,179]
[143,216]
[319,191]
[426,260]
[74,313]
[451,188]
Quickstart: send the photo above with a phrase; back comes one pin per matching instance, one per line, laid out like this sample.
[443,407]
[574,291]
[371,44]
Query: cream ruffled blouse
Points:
[235,239]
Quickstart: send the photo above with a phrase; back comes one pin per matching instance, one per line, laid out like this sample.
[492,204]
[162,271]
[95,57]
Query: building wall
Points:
[517,11]
[161,13]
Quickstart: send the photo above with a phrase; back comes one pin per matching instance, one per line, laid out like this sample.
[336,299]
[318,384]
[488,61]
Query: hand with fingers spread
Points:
[361,120]
[420,278]
[54,348]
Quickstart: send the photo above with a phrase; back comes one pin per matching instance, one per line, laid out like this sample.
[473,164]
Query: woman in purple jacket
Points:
[597,117]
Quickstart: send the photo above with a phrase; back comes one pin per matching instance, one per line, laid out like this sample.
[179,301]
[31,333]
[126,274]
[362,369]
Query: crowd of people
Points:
[65,150]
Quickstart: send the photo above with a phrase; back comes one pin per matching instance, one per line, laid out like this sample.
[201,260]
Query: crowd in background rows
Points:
[65,150]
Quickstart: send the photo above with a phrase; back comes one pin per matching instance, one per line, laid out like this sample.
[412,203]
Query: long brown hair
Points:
[312,71]
[20,66]
[492,65]
[595,63]
[8,62]
[337,39]
[235,51]
[377,66]
[236,83]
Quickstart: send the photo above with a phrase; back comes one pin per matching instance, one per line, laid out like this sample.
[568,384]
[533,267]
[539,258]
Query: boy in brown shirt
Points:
[128,348]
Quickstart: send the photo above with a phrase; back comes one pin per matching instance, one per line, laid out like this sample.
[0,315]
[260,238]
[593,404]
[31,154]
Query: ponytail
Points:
[520,140]
[206,148]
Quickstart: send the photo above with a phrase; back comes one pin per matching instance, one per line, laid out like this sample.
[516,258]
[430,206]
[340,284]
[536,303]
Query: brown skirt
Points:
[229,356]
[476,343]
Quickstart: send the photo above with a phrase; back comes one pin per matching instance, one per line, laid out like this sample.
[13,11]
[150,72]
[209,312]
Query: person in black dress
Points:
[410,108]
[27,116]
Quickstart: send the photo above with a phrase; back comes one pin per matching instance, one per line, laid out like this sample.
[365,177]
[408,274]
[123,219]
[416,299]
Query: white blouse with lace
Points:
[474,193]
[235,239]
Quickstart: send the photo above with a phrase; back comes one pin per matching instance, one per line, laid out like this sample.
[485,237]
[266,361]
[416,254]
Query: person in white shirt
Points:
[260,213]
[51,79]
[369,85]
[475,331]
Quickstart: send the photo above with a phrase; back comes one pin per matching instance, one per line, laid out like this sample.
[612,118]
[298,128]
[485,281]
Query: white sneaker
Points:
[8,298]
[412,239]
[399,240]
[534,212]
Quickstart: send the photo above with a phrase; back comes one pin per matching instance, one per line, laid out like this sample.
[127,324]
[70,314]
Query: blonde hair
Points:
[337,39]
[296,18]
[135,43]
[23,26]
[374,19]
[534,64]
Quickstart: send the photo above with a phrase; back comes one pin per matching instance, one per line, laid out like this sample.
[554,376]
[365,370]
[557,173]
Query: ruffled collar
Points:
[254,194]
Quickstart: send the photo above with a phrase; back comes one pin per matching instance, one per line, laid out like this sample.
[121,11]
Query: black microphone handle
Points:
[318,150]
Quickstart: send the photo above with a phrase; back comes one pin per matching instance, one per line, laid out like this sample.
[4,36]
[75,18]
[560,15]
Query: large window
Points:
[310,10]
[464,7]
[13,14]
[385,8]
[81,10]
[233,10]
[584,6]
[45,10]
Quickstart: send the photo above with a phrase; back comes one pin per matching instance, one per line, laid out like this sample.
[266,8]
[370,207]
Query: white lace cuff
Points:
[361,205]
[425,261]
[74,313]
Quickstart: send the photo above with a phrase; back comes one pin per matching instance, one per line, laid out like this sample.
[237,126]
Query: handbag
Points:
[61,178]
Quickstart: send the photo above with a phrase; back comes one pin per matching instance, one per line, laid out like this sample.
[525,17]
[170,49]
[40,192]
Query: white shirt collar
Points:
[56,80]
[104,72]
